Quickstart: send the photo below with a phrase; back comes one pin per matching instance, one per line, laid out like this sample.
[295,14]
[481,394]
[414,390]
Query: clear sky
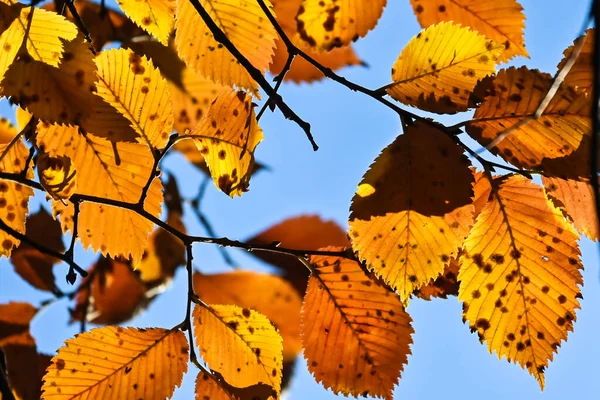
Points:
[447,361]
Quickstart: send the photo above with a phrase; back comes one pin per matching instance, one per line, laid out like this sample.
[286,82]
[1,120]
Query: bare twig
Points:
[79,22]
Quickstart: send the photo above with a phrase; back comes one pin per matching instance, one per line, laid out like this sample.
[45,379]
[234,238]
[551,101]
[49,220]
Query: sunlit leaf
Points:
[325,24]
[240,344]
[500,20]
[356,334]
[245,25]
[270,295]
[438,68]
[581,74]
[157,17]
[407,228]
[520,275]
[512,97]
[227,137]
[14,323]
[115,362]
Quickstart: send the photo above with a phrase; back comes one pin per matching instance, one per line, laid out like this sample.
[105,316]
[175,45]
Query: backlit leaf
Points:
[438,68]
[502,21]
[407,221]
[520,275]
[245,25]
[240,344]
[115,294]
[134,87]
[512,97]
[118,363]
[213,387]
[303,232]
[227,131]
[31,264]
[157,17]
[325,24]
[446,284]
[15,318]
[270,295]
[576,199]
[57,176]
[356,333]
[14,197]
[118,172]
[581,74]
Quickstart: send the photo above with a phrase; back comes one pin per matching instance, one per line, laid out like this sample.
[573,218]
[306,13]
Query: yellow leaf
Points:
[438,68]
[576,199]
[116,171]
[301,70]
[446,284]
[245,25]
[502,21]
[57,176]
[520,275]
[118,363]
[355,331]
[270,295]
[155,16]
[412,222]
[212,386]
[15,318]
[227,131]
[135,88]
[41,30]
[581,74]
[512,97]
[239,343]
[14,197]
[191,94]
[66,94]
[325,24]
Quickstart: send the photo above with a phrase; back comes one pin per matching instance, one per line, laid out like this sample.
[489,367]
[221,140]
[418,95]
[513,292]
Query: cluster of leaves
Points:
[94,126]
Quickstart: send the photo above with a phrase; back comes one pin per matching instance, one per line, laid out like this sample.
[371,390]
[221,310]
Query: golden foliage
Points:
[57,176]
[14,197]
[581,74]
[135,88]
[502,21]
[197,46]
[270,295]
[239,343]
[512,97]
[227,137]
[326,24]
[118,363]
[520,275]
[355,331]
[156,17]
[407,228]
[439,68]
[107,171]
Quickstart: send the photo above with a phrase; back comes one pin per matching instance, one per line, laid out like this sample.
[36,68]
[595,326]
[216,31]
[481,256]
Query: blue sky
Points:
[351,130]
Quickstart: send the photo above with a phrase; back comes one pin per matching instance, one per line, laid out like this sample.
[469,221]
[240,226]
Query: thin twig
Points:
[158,156]
[79,22]
[70,253]
[278,81]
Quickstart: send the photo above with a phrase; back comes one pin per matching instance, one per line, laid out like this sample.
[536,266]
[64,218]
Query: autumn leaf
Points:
[115,362]
[301,70]
[191,94]
[114,295]
[446,284]
[240,344]
[227,137]
[581,74]
[156,17]
[15,318]
[520,275]
[14,197]
[510,100]
[502,21]
[439,68]
[32,265]
[303,232]
[407,228]
[118,172]
[135,88]
[212,386]
[332,23]
[39,30]
[355,331]
[57,175]
[244,24]
[270,295]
